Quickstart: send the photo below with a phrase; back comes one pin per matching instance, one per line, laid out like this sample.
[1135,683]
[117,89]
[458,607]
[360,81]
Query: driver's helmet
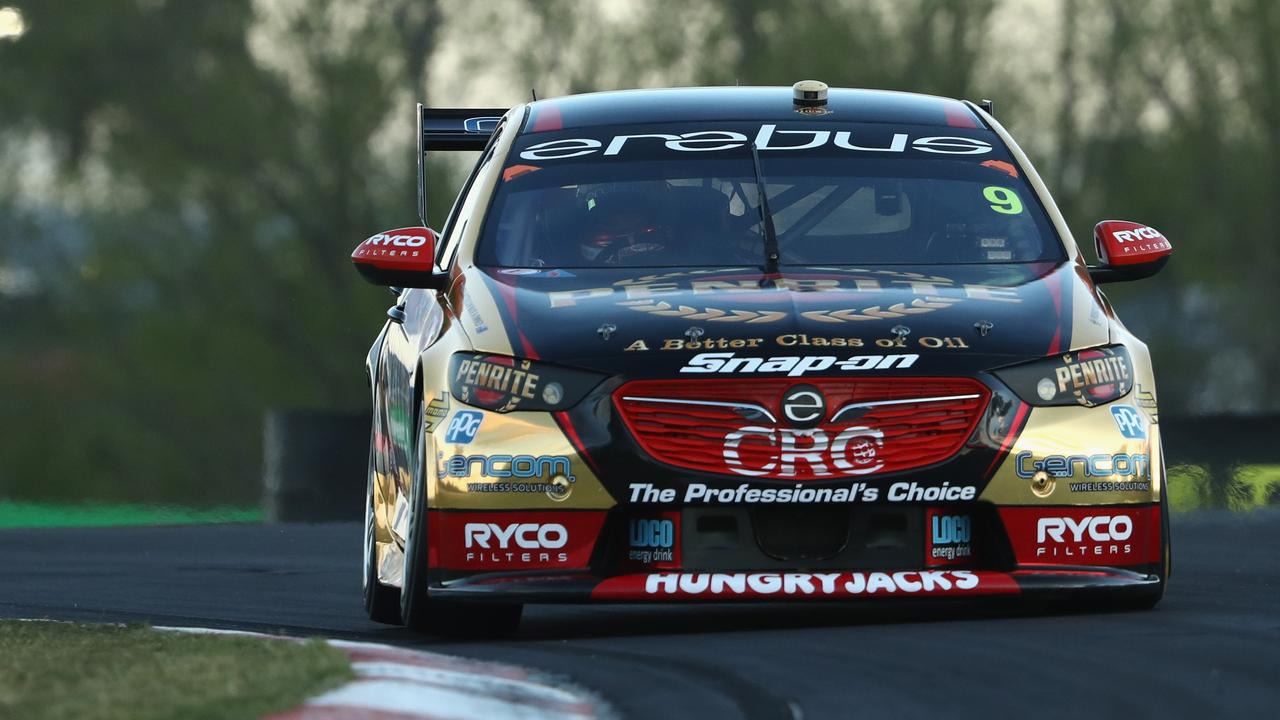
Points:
[620,224]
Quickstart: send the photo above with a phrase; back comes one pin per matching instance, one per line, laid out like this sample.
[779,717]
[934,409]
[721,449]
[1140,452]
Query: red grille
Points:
[671,424]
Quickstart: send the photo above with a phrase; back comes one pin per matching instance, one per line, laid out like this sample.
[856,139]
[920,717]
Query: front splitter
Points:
[795,586]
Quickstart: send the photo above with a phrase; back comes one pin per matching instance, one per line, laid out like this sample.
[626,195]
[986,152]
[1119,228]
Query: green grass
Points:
[35,515]
[1241,487]
[105,672]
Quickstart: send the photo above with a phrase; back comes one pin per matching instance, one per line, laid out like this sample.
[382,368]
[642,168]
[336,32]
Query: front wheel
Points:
[382,602]
[417,609]
[1149,598]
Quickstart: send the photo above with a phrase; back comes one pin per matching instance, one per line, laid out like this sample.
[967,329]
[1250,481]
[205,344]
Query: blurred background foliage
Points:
[182,182]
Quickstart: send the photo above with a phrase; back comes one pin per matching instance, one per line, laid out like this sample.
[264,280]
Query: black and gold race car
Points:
[727,344]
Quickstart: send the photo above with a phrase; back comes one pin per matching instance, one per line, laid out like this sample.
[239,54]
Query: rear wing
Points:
[451,130]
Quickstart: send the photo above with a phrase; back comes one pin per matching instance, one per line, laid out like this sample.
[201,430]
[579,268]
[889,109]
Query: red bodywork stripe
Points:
[1015,429]
[546,118]
[959,116]
[507,291]
[1054,285]
[566,426]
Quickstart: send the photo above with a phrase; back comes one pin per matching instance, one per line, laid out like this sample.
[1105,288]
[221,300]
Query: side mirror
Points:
[1128,251]
[400,258]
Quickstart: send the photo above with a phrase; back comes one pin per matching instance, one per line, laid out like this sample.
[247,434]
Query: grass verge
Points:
[108,672]
[37,515]
[1239,487]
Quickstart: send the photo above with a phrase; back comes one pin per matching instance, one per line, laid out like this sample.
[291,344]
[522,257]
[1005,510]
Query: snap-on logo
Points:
[794,365]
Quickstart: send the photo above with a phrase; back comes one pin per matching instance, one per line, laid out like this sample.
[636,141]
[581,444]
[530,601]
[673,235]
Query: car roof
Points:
[710,104]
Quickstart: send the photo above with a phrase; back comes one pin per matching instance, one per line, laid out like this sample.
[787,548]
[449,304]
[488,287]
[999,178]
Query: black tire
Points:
[381,602]
[1166,551]
[418,610]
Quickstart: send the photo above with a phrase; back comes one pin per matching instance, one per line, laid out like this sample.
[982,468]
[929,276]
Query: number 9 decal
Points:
[1003,200]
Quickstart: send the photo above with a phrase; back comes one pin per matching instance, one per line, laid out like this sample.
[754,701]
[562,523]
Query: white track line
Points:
[394,683]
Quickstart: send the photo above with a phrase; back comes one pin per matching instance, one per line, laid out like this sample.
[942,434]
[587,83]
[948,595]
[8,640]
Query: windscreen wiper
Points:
[766,218]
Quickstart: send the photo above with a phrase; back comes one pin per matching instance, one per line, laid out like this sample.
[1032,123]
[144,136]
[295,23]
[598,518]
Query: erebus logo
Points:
[480,125]
[804,405]
[1098,528]
[530,536]
[769,137]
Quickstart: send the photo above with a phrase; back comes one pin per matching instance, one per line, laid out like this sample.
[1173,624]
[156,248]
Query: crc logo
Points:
[648,533]
[804,405]
[1136,234]
[1130,422]
[463,427]
[782,452]
[1097,528]
[530,536]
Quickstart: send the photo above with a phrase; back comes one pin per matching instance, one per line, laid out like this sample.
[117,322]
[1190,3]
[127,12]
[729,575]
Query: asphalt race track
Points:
[1211,649]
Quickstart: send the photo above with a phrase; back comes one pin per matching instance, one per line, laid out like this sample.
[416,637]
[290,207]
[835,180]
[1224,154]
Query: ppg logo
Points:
[1130,422]
[463,427]
[652,533]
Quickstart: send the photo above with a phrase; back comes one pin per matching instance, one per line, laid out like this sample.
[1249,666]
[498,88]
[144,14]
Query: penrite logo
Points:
[1095,376]
[793,365]
[494,382]
[769,137]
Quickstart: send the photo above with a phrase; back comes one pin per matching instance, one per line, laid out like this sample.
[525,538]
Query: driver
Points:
[620,227]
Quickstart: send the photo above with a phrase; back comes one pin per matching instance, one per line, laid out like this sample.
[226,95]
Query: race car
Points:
[741,344]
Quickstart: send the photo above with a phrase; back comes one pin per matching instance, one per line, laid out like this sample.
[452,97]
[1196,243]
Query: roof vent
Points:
[810,92]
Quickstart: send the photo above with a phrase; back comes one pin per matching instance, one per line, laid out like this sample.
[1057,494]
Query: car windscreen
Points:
[687,196]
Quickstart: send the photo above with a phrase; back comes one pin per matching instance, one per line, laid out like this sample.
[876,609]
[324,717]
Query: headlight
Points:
[1089,377]
[502,384]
